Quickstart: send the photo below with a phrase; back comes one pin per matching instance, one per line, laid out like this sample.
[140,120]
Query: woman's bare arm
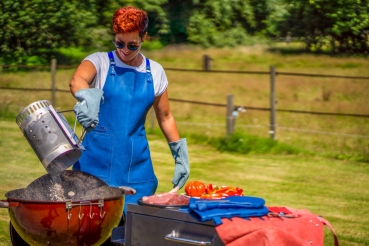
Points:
[83,76]
[165,118]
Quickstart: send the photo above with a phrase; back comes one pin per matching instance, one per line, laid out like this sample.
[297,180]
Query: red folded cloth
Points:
[282,227]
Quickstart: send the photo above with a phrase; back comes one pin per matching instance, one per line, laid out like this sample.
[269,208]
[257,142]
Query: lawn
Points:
[330,177]
[331,188]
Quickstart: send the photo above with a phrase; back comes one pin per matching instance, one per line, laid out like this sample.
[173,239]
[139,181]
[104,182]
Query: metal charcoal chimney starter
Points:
[50,136]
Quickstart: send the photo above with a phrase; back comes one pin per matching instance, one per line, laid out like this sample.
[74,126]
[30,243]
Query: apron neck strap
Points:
[112,66]
[112,63]
[148,72]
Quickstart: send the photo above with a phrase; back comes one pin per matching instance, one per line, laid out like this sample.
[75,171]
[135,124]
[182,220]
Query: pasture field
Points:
[339,137]
[332,180]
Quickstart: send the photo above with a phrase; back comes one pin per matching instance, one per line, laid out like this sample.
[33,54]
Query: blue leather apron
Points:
[117,150]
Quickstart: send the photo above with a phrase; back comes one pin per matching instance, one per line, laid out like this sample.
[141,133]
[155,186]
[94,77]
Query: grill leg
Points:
[14,236]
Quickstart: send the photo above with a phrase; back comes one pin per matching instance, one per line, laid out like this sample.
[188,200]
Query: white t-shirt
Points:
[101,62]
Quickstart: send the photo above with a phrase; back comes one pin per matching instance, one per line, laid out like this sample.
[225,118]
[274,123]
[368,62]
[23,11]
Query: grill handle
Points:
[173,237]
[6,204]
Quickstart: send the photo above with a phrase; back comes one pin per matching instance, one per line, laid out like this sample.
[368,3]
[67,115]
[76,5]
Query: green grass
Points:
[317,162]
[249,144]
[241,143]
[332,188]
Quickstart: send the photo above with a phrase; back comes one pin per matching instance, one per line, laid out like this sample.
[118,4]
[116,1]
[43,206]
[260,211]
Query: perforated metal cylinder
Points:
[50,136]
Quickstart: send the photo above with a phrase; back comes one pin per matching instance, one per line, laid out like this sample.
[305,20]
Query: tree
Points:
[32,28]
[28,27]
[268,14]
[179,13]
[341,25]
[350,27]
[220,22]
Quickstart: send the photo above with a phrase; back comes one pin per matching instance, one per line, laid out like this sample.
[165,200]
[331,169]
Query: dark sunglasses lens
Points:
[119,45]
[132,47]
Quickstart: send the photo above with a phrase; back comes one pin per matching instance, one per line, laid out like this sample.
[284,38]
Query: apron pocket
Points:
[140,169]
[98,155]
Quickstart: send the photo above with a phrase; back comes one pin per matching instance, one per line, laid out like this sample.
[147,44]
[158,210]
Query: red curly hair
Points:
[130,19]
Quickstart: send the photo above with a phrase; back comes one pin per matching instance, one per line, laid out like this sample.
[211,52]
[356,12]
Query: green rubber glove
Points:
[88,106]
[182,164]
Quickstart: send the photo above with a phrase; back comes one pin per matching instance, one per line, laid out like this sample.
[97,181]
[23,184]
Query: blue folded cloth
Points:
[228,202]
[232,206]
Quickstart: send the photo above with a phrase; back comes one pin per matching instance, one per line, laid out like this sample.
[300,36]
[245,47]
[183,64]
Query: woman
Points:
[115,90]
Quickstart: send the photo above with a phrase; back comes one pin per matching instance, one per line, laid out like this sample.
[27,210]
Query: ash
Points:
[57,193]
[56,189]
[56,166]
[66,185]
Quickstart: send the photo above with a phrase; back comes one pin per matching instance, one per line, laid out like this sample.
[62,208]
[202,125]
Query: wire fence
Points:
[204,70]
[211,124]
[268,109]
[231,108]
[210,104]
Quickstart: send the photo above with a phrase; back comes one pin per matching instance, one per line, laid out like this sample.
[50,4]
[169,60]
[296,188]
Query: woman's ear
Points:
[144,37]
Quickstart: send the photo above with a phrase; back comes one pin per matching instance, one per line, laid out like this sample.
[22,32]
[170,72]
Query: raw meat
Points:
[180,200]
[166,199]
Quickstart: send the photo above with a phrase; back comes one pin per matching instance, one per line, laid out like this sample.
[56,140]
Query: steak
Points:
[180,200]
[166,199]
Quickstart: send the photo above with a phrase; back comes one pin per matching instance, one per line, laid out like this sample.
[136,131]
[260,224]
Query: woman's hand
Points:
[88,106]
[177,146]
[181,161]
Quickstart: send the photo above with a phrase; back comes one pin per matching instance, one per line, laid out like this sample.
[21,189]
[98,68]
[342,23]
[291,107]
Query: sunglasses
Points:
[130,46]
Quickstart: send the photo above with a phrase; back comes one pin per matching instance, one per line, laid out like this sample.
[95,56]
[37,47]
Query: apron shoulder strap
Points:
[112,63]
[148,71]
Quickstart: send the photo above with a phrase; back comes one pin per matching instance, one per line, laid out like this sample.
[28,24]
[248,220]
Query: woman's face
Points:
[128,46]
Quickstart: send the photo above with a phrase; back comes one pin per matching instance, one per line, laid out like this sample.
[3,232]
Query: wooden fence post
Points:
[53,82]
[207,62]
[273,121]
[230,118]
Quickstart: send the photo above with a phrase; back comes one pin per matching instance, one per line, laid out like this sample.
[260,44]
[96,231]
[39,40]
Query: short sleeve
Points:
[159,77]
[101,62]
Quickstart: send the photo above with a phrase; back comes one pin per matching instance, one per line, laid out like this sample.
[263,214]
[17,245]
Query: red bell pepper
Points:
[213,196]
[214,192]
[234,191]
[211,188]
